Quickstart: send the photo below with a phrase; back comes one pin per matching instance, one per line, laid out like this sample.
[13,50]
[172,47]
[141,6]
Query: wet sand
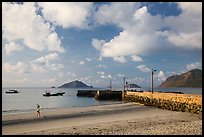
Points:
[117,119]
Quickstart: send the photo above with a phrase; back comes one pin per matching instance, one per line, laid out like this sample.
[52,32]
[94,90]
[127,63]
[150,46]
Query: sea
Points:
[28,97]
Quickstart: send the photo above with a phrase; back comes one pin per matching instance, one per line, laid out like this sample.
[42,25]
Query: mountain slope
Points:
[192,78]
[75,84]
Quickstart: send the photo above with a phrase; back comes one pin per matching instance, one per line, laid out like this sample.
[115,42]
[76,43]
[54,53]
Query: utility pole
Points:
[124,83]
[153,70]
[110,85]
[123,92]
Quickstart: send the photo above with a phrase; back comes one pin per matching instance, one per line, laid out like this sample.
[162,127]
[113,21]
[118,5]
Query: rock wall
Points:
[171,101]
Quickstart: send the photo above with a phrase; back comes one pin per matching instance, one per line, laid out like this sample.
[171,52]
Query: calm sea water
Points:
[27,98]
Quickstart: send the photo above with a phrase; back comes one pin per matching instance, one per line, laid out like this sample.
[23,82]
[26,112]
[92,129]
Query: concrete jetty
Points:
[108,95]
[86,93]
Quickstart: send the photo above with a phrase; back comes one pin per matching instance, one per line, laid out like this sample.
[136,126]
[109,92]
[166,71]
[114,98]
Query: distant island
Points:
[132,86]
[192,78]
[75,84]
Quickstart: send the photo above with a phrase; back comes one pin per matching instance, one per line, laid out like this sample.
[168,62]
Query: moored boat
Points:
[47,94]
[60,93]
[12,91]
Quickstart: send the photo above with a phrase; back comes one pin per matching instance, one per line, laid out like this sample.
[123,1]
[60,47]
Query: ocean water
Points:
[27,98]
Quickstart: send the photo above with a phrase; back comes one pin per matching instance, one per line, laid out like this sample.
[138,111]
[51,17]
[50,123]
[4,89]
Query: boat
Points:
[47,94]
[12,91]
[60,93]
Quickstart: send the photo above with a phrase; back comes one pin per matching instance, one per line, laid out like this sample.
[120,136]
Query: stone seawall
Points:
[171,101]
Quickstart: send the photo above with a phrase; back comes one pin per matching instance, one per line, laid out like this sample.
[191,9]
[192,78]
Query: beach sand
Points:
[117,119]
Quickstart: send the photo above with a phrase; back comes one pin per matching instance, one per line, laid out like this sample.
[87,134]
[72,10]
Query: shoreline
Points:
[116,119]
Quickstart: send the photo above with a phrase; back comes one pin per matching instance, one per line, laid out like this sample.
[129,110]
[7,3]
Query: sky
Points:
[48,44]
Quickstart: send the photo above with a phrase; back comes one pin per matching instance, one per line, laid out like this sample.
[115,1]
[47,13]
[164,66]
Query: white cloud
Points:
[38,68]
[67,14]
[44,60]
[101,72]
[138,36]
[120,59]
[186,29]
[120,75]
[55,67]
[28,27]
[43,63]
[11,47]
[143,68]
[106,76]
[102,66]
[81,63]
[103,75]
[139,79]
[195,65]
[135,58]
[89,59]
[160,76]
[142,33]
[72,74]
[118,13]
[97,44]
[20,67]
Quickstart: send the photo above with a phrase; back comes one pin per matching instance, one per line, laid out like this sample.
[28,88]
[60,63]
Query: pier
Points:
[101,94]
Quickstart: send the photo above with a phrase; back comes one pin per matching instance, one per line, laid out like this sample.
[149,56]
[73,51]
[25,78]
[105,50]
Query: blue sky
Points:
[46,44]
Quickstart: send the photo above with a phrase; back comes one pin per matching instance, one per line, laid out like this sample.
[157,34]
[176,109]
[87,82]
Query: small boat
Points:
[60,93]
[47,94]
[12,91]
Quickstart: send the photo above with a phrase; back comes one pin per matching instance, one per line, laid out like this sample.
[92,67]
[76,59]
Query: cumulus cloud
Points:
[116,13]
[97,44]
[28,27]
[72,74]
[44,60]
[89,59]
[102,66]
[106,76]
[20,67]
[81,63]
[135,58]
[120,75]
[56,67]
[43,63]
[160,76]
[11,47]
[120,59]
[143,33]
[186,28]
[67,14]
[103,75]
[195,65]
[132,41]
[101,72]
[143,68]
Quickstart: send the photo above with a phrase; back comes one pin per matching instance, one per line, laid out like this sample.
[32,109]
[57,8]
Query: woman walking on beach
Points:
[38,110]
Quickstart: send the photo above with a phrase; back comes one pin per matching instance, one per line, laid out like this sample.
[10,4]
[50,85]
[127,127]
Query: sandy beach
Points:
[117,119]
